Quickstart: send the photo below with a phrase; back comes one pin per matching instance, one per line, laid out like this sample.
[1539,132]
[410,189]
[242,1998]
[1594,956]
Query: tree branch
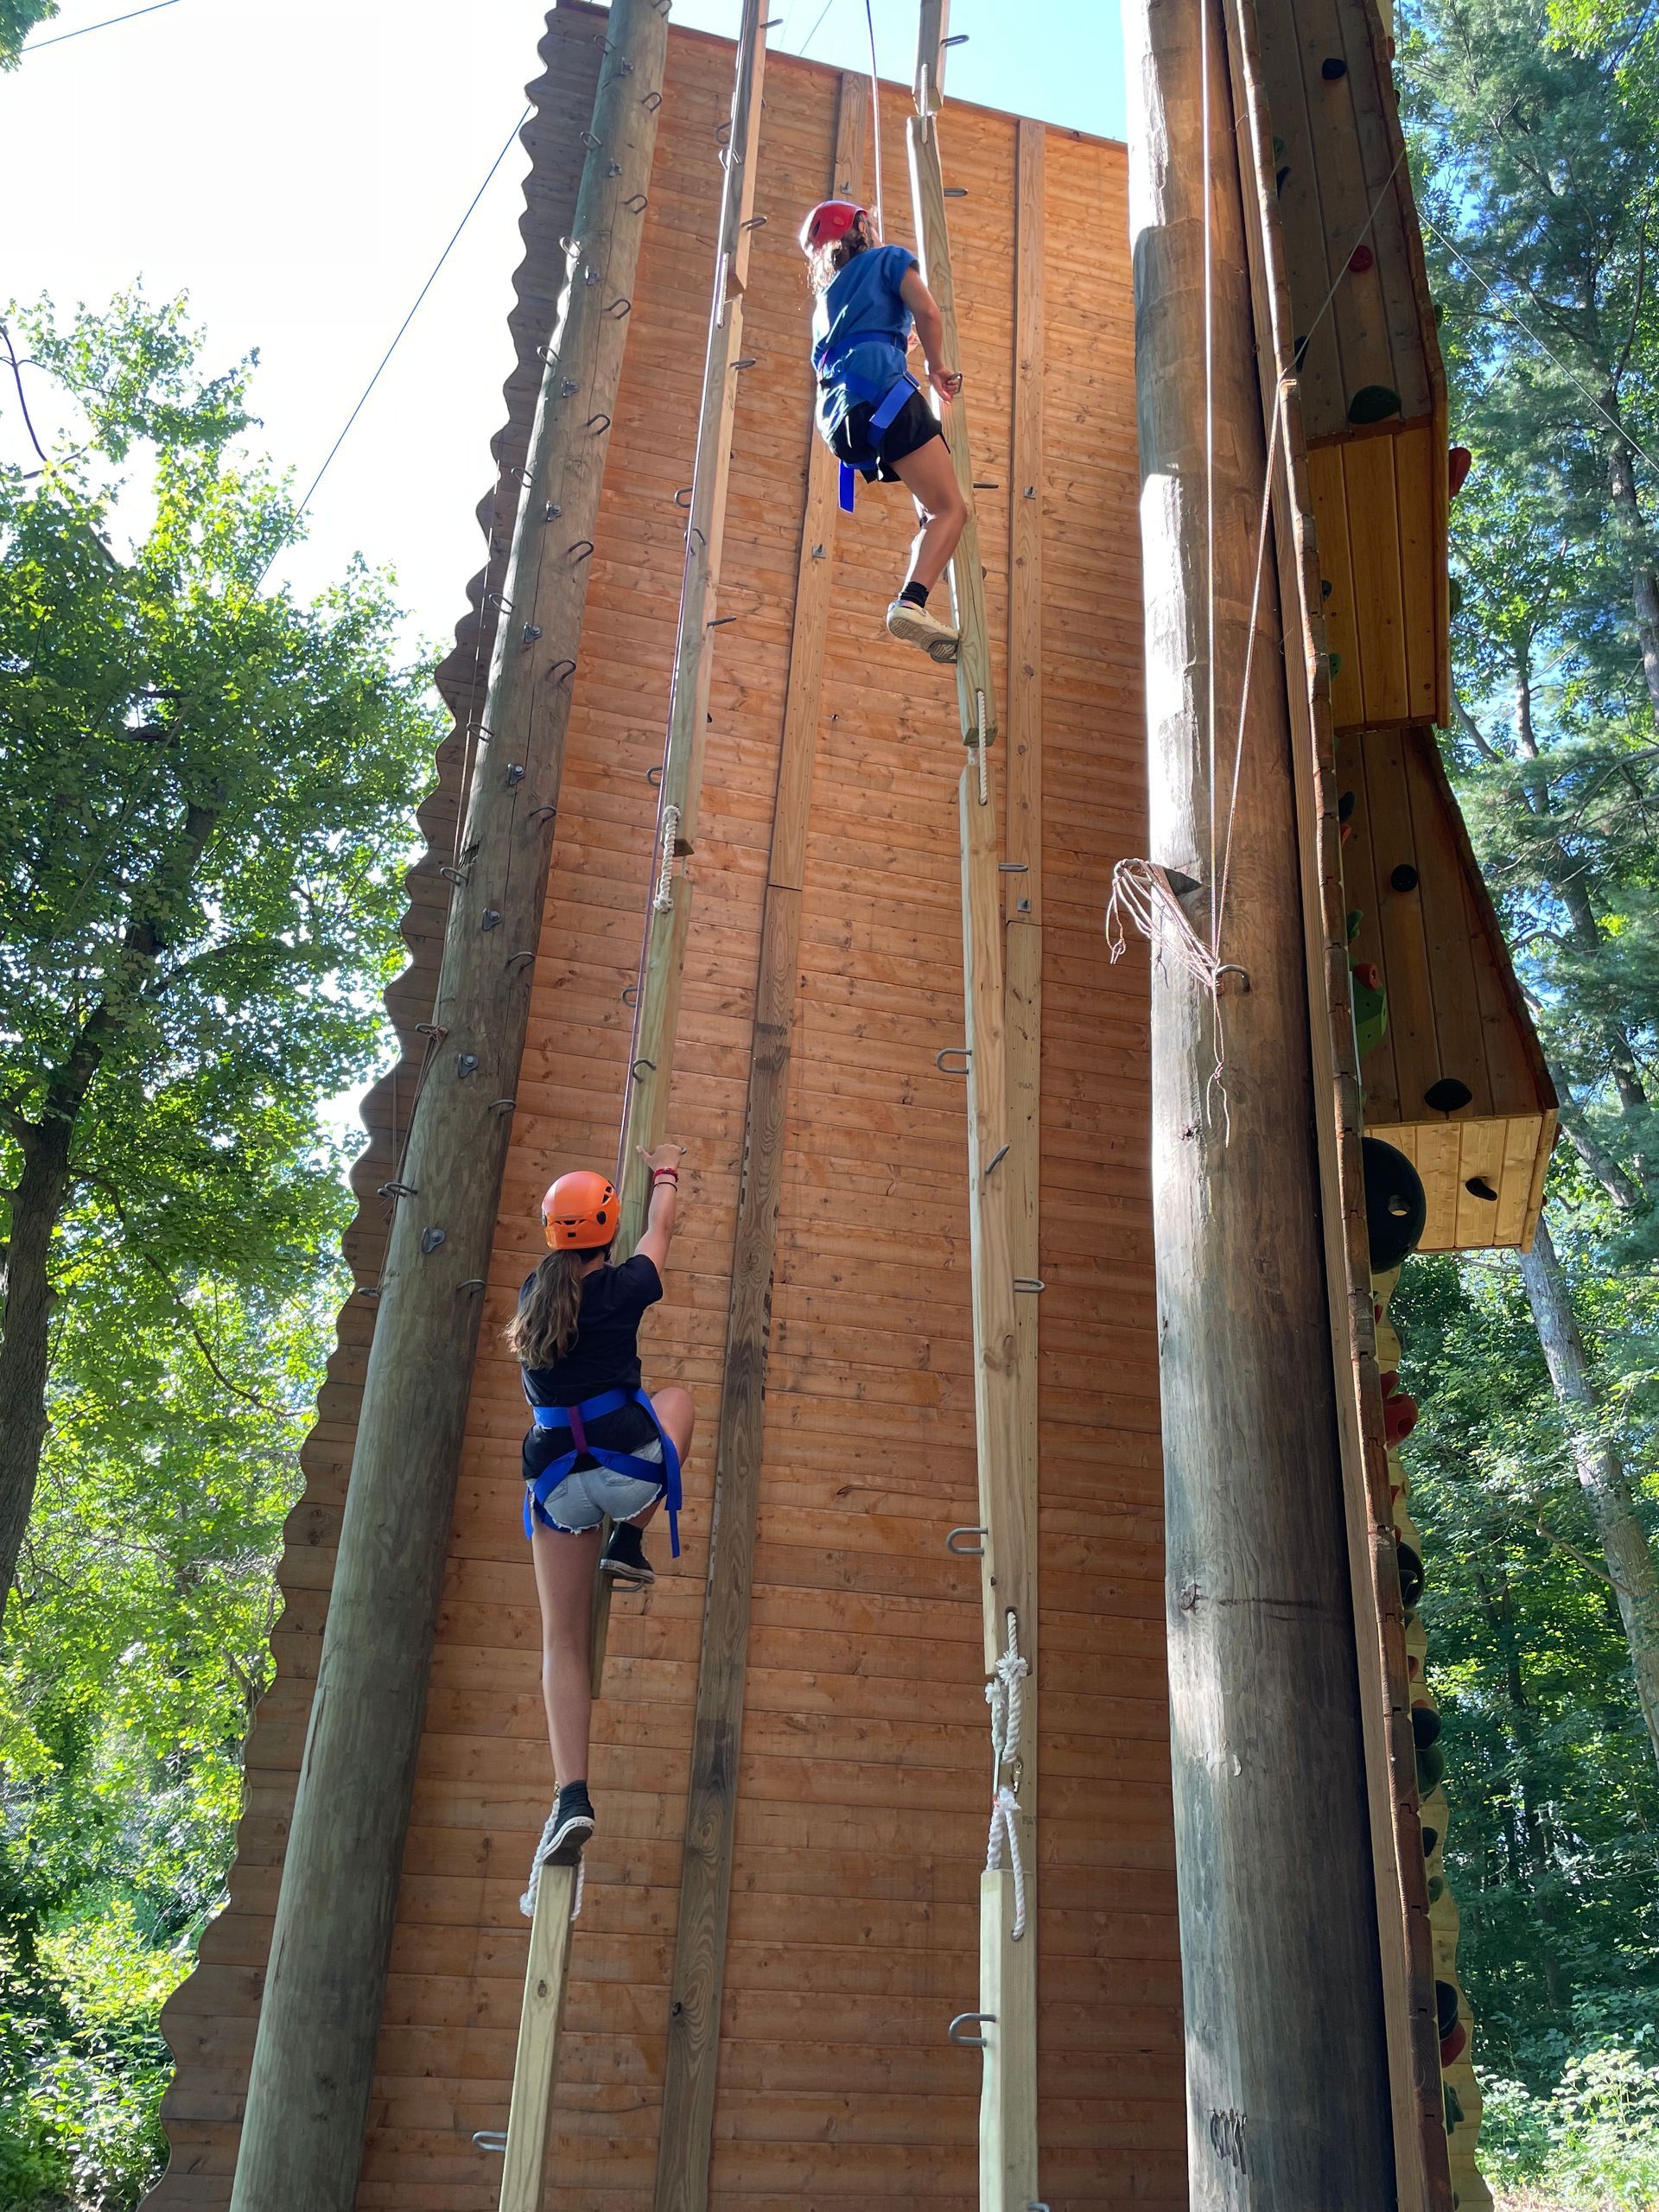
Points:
[1472,729]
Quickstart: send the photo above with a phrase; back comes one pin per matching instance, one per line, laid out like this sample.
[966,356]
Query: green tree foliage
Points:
[207,787]
[203,779]
[17,19]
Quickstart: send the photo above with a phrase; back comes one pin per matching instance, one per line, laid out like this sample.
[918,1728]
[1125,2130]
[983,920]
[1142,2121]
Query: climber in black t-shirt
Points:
[601,1448]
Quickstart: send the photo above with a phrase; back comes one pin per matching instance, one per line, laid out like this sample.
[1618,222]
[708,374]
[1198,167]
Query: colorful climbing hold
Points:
[1453,2046]
[1399,1418]
[1359,261]
[1459,462]
[1373,403]
[1335,661]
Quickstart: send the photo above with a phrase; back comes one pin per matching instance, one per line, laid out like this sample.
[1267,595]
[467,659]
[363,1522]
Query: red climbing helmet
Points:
[830,219]
[579,1213]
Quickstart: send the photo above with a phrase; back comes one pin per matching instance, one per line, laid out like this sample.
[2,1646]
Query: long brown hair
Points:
[544,1327]
[825,263]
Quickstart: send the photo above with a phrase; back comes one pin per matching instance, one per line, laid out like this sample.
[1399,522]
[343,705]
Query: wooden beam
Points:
[314,2056]
[686,2134]
[536,2064]
[1405,1943]
[1004,1413]
[650,1078]
[1266,1743]
[668,912]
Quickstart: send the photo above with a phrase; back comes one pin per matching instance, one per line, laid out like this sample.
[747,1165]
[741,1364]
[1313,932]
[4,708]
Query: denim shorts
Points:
[588,1494]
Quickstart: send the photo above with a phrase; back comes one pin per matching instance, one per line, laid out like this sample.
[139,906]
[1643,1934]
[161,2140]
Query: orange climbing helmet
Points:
[579,1213]
[829,220]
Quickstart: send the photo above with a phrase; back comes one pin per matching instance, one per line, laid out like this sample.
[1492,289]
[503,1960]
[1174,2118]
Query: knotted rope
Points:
[1004,1696]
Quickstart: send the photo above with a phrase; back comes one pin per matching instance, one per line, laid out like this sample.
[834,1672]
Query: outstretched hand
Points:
[667,1155]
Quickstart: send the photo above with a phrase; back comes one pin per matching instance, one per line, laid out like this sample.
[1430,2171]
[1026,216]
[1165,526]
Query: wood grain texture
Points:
[541,2017]
[692,2055]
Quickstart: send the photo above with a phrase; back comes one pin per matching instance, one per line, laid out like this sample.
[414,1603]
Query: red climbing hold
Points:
[1453,2046]
[1368,973]
[1361,259]
[1459,462]
[1399,1418]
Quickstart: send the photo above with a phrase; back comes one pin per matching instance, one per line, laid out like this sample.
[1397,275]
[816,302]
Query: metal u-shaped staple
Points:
[975,2019]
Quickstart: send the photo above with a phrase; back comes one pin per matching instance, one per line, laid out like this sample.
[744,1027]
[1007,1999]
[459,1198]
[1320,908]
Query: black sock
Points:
[914,593]
[571,1792]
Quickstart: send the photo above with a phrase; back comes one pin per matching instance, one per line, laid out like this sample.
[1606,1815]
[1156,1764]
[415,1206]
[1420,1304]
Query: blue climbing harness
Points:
[575,1419]
[886,401]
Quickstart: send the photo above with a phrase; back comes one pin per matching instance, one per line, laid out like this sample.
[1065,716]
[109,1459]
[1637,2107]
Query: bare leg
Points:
[566,1567]
[678,1414]
[929,475]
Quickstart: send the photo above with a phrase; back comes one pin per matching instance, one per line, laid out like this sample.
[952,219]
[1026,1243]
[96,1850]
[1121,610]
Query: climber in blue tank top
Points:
[870,412]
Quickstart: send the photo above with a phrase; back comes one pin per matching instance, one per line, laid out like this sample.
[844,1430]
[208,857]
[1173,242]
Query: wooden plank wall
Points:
[863,1797]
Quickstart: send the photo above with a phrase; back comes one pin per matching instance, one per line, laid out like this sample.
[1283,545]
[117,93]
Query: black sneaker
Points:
[568,1827]
[625,1559]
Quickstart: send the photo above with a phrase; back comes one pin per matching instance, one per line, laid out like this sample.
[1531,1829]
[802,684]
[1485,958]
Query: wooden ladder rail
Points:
[1008,2129]
[668,911]
[535,2067]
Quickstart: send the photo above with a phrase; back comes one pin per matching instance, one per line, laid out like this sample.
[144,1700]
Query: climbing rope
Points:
[1004,1696]
[875,123]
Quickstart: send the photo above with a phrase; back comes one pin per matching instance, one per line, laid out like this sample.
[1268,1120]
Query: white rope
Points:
[984,766]
[582,1884]
[664,901]
[1004,1696]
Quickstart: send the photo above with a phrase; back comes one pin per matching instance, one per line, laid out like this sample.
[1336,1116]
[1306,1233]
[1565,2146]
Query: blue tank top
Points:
[863,302]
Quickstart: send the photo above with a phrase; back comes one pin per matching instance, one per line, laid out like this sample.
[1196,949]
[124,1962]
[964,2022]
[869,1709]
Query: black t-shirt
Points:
[605,1355]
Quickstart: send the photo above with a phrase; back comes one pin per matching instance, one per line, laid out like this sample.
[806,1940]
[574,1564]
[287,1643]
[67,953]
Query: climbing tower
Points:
[709,855]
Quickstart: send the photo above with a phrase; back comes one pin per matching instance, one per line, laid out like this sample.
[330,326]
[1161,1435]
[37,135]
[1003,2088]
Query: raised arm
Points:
[662,1214]
[930,329]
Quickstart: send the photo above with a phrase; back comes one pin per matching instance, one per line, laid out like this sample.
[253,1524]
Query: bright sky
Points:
[296,166]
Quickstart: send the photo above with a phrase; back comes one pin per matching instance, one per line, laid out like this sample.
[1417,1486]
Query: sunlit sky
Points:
[296,166]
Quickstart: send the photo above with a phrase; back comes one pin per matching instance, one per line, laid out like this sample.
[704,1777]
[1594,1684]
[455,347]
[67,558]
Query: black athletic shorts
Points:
[912,428]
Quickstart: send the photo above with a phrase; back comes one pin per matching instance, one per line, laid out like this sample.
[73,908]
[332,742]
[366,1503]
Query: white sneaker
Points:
[916,627]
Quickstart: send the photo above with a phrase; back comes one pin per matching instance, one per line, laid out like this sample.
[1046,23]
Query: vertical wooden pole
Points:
[667,908]
[536,2062]
[1287,2070]
[690,2080]
[1008,1504]
[1402,1882]
[314,2056]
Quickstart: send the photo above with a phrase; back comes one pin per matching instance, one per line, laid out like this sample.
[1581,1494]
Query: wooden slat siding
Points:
[1343,613]
[845,1824]
[209,2083]
[1374,549]
[1419,450]
[1400,916]
[691,2051]
[1454,1008]
[1400,1889]
[1363,894]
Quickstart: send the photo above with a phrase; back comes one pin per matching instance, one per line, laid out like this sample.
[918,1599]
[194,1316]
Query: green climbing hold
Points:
[1431,1765]
[1370,1009]
[1436,1888]
[1335,660]
[1357,916]
[1453,2112]
[1431,1837]
[1373,403]
[1454,595]
[1425,1726]
[1278,149]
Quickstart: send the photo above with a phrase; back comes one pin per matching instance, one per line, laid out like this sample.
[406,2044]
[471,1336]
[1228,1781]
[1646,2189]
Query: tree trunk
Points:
[47,1147]
[1598,1161]
[1601,1473]
[35,1205]
[1631,526]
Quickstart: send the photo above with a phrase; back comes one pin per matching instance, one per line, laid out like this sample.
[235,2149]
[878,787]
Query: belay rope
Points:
[1004,1696]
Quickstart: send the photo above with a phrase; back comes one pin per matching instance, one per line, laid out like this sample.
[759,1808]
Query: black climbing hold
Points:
[1373,403]
[1325,587]
[492,920]
[1333,68]
[1454,596]
[1345,807]
[1478,1187]
[1431,1837]
[1396,1207]
[1445,2006]
[1300,347]
[1454,2112]
[1448,1096]
[466,1064]
[1404,878]
[1431,1765]
[1281,179]
[431,1238]
[1425,1726]
[1411,1574]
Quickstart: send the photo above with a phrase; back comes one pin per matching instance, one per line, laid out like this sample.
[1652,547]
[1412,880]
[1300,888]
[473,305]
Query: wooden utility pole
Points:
[668,910]
[314,2056]
[1007,1498]
[1287,2055]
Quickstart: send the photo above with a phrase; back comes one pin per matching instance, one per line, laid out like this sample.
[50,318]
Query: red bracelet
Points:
[664,1174]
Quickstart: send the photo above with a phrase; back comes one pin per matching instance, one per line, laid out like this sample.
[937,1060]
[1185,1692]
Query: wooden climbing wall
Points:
[863,1791]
